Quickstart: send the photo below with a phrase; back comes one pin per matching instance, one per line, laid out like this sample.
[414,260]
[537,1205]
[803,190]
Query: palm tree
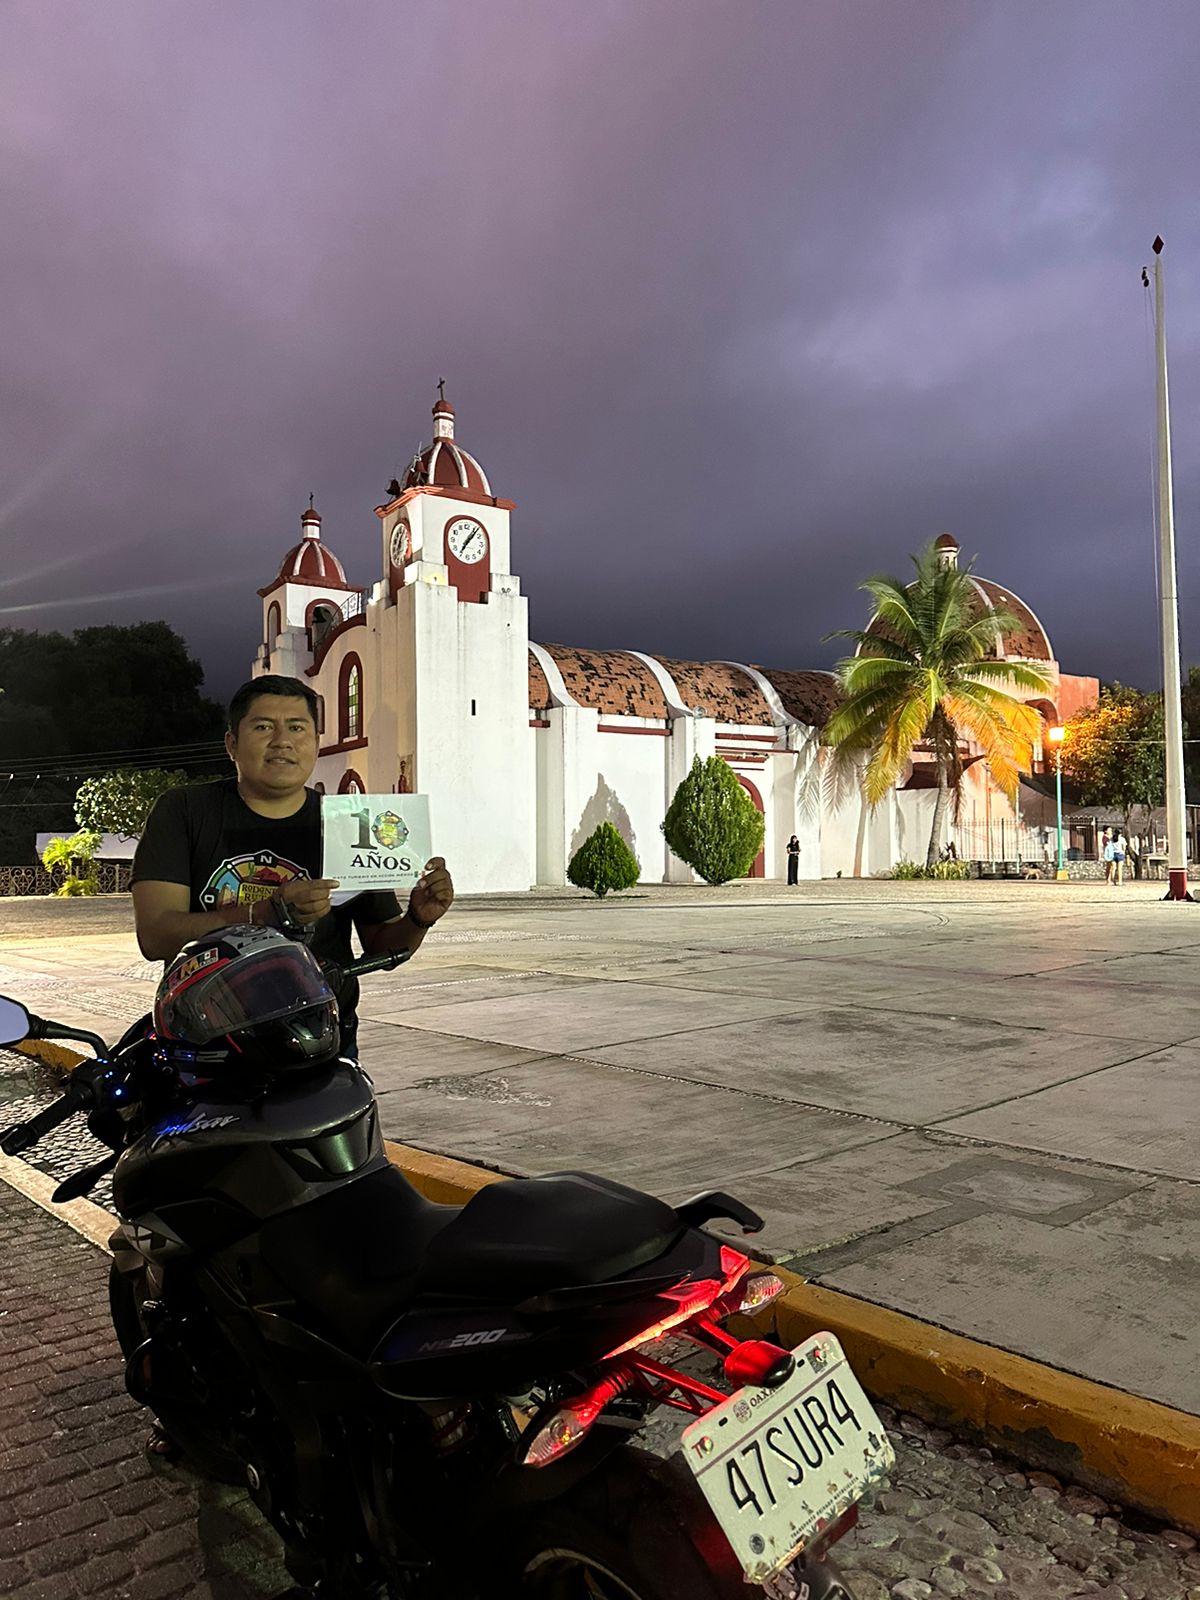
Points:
[926,672]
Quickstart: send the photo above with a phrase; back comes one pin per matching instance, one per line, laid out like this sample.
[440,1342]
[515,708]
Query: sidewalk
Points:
[975,1104]
[82,1511]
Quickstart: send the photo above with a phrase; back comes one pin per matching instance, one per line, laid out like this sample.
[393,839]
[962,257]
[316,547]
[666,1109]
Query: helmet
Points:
[248,997]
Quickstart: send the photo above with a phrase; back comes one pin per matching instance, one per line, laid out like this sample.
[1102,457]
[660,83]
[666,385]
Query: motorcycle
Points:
[439,1402]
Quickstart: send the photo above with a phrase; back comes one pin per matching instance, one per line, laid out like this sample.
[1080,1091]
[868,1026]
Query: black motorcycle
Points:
[443,1402]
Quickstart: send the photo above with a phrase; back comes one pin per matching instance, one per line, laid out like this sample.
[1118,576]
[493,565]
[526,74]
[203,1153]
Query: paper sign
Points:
[374,841]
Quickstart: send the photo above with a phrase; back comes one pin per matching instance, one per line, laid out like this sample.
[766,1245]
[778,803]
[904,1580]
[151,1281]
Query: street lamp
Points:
[1056,735]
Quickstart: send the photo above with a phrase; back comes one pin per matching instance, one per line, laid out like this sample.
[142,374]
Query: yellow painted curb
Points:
[442,1179]
[1124,1447]
[54,1055]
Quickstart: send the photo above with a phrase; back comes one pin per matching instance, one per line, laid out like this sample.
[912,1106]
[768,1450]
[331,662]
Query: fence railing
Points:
[998,841]
[112,877]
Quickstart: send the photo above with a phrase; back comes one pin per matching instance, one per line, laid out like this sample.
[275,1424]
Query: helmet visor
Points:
[259,987]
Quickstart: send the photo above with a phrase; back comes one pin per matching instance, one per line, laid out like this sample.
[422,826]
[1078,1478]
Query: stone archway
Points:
[759,869]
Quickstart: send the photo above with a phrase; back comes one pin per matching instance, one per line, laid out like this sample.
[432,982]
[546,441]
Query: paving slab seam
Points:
[1053,1083]
[729,1088]
[932,1130]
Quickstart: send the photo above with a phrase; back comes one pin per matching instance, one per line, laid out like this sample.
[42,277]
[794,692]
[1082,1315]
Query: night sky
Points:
[740,302]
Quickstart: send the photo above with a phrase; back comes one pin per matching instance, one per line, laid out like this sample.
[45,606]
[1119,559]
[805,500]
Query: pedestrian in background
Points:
[793,855]
[1110,859]
[1119,847]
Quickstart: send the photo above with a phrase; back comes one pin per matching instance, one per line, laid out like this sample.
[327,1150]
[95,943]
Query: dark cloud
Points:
[738,301]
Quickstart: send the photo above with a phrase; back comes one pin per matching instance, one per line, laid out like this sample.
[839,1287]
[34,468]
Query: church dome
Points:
[1024,639]
[310,561]
[444,463]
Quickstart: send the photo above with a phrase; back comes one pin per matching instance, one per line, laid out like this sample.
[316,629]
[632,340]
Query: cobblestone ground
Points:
[83,1513]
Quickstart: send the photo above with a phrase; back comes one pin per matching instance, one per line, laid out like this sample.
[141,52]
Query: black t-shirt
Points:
[207,837]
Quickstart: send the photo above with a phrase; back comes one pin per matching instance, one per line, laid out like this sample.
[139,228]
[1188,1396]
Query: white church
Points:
[429,682]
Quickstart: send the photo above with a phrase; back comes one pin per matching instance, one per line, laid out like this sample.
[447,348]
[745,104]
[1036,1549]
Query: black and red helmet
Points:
[252,994]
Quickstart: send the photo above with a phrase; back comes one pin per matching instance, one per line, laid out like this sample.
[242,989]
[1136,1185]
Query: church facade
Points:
[429,682]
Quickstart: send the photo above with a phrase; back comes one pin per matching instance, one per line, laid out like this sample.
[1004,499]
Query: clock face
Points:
[467,539]
[401,544]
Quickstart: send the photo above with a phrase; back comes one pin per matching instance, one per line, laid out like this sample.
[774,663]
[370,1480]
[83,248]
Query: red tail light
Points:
[691,1298]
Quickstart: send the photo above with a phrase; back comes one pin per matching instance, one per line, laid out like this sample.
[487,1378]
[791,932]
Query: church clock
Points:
[467,539]
[401,545]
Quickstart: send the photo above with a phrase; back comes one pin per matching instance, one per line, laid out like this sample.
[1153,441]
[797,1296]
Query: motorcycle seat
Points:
[520,1238]
[359,1256]
[351,1258]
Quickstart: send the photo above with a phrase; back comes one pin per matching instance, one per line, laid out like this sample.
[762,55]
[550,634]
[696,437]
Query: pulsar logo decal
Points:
[171,1130]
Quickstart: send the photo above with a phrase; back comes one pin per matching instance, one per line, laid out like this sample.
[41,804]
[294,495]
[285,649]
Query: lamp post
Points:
[1056,735]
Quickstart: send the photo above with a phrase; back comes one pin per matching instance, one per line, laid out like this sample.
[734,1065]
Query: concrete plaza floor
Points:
[978,1103]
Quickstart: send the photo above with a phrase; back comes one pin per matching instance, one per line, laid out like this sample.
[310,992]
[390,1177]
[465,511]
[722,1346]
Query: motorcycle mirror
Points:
[14,1021]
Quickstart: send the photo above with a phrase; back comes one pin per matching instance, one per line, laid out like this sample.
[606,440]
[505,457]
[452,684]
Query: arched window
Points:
[350,700]
[323,617]
[351,783]
[274,621]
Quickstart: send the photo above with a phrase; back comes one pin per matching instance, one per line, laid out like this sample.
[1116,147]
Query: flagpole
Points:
[1172,699]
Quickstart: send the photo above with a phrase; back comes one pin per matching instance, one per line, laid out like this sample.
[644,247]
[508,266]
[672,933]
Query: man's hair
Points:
[270,684]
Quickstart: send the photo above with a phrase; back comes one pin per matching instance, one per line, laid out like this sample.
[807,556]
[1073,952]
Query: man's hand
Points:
[432,894]
[308,899]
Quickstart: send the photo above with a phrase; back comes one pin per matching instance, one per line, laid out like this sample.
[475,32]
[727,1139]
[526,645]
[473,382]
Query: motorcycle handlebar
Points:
[383,963]
[28,1133]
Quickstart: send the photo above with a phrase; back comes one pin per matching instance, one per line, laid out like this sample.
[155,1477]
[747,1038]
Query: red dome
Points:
[310,561]
[447,465]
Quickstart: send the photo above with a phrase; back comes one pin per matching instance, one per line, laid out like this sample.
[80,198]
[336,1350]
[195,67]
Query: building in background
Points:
[429,682]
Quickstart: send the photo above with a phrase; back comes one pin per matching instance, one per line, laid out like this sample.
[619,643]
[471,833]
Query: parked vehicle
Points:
[433,1401]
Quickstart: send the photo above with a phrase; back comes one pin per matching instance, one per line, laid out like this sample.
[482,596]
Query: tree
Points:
[120,802]
[134,686]
[76,858]
[603,862]
[116,690]
[712,823]
[926,673]
[1115,754]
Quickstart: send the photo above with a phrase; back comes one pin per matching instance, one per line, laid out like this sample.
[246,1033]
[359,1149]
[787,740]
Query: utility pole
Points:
[1172,700]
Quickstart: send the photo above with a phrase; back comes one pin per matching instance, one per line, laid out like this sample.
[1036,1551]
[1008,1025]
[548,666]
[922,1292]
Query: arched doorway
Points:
[759,869]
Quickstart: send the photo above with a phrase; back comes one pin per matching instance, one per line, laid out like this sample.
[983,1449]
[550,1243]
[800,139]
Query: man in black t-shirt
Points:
[248,849]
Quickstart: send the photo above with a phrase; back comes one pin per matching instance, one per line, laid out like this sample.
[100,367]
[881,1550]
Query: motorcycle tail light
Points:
[757,1290]
[690,1298]
[557,1437]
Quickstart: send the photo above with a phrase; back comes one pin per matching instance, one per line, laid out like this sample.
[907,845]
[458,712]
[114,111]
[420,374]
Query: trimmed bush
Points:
[713,824]
[952,871]
[603,862]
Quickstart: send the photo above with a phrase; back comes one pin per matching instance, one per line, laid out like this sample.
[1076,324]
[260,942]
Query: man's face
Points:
[274,746]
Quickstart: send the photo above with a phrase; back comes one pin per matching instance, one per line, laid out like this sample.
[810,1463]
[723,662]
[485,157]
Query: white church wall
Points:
[792,814]
[628,792]
[566,749]
[472,732]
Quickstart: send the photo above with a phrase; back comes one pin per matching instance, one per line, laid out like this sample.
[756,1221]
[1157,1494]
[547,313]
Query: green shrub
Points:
[953,871]
[603,862]
[713,824]
[946,871]
[74,857]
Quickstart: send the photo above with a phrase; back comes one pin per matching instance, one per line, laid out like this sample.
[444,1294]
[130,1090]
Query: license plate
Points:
[778,1466]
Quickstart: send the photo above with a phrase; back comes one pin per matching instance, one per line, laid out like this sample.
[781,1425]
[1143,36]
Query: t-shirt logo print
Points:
[242,879]
[390,830]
